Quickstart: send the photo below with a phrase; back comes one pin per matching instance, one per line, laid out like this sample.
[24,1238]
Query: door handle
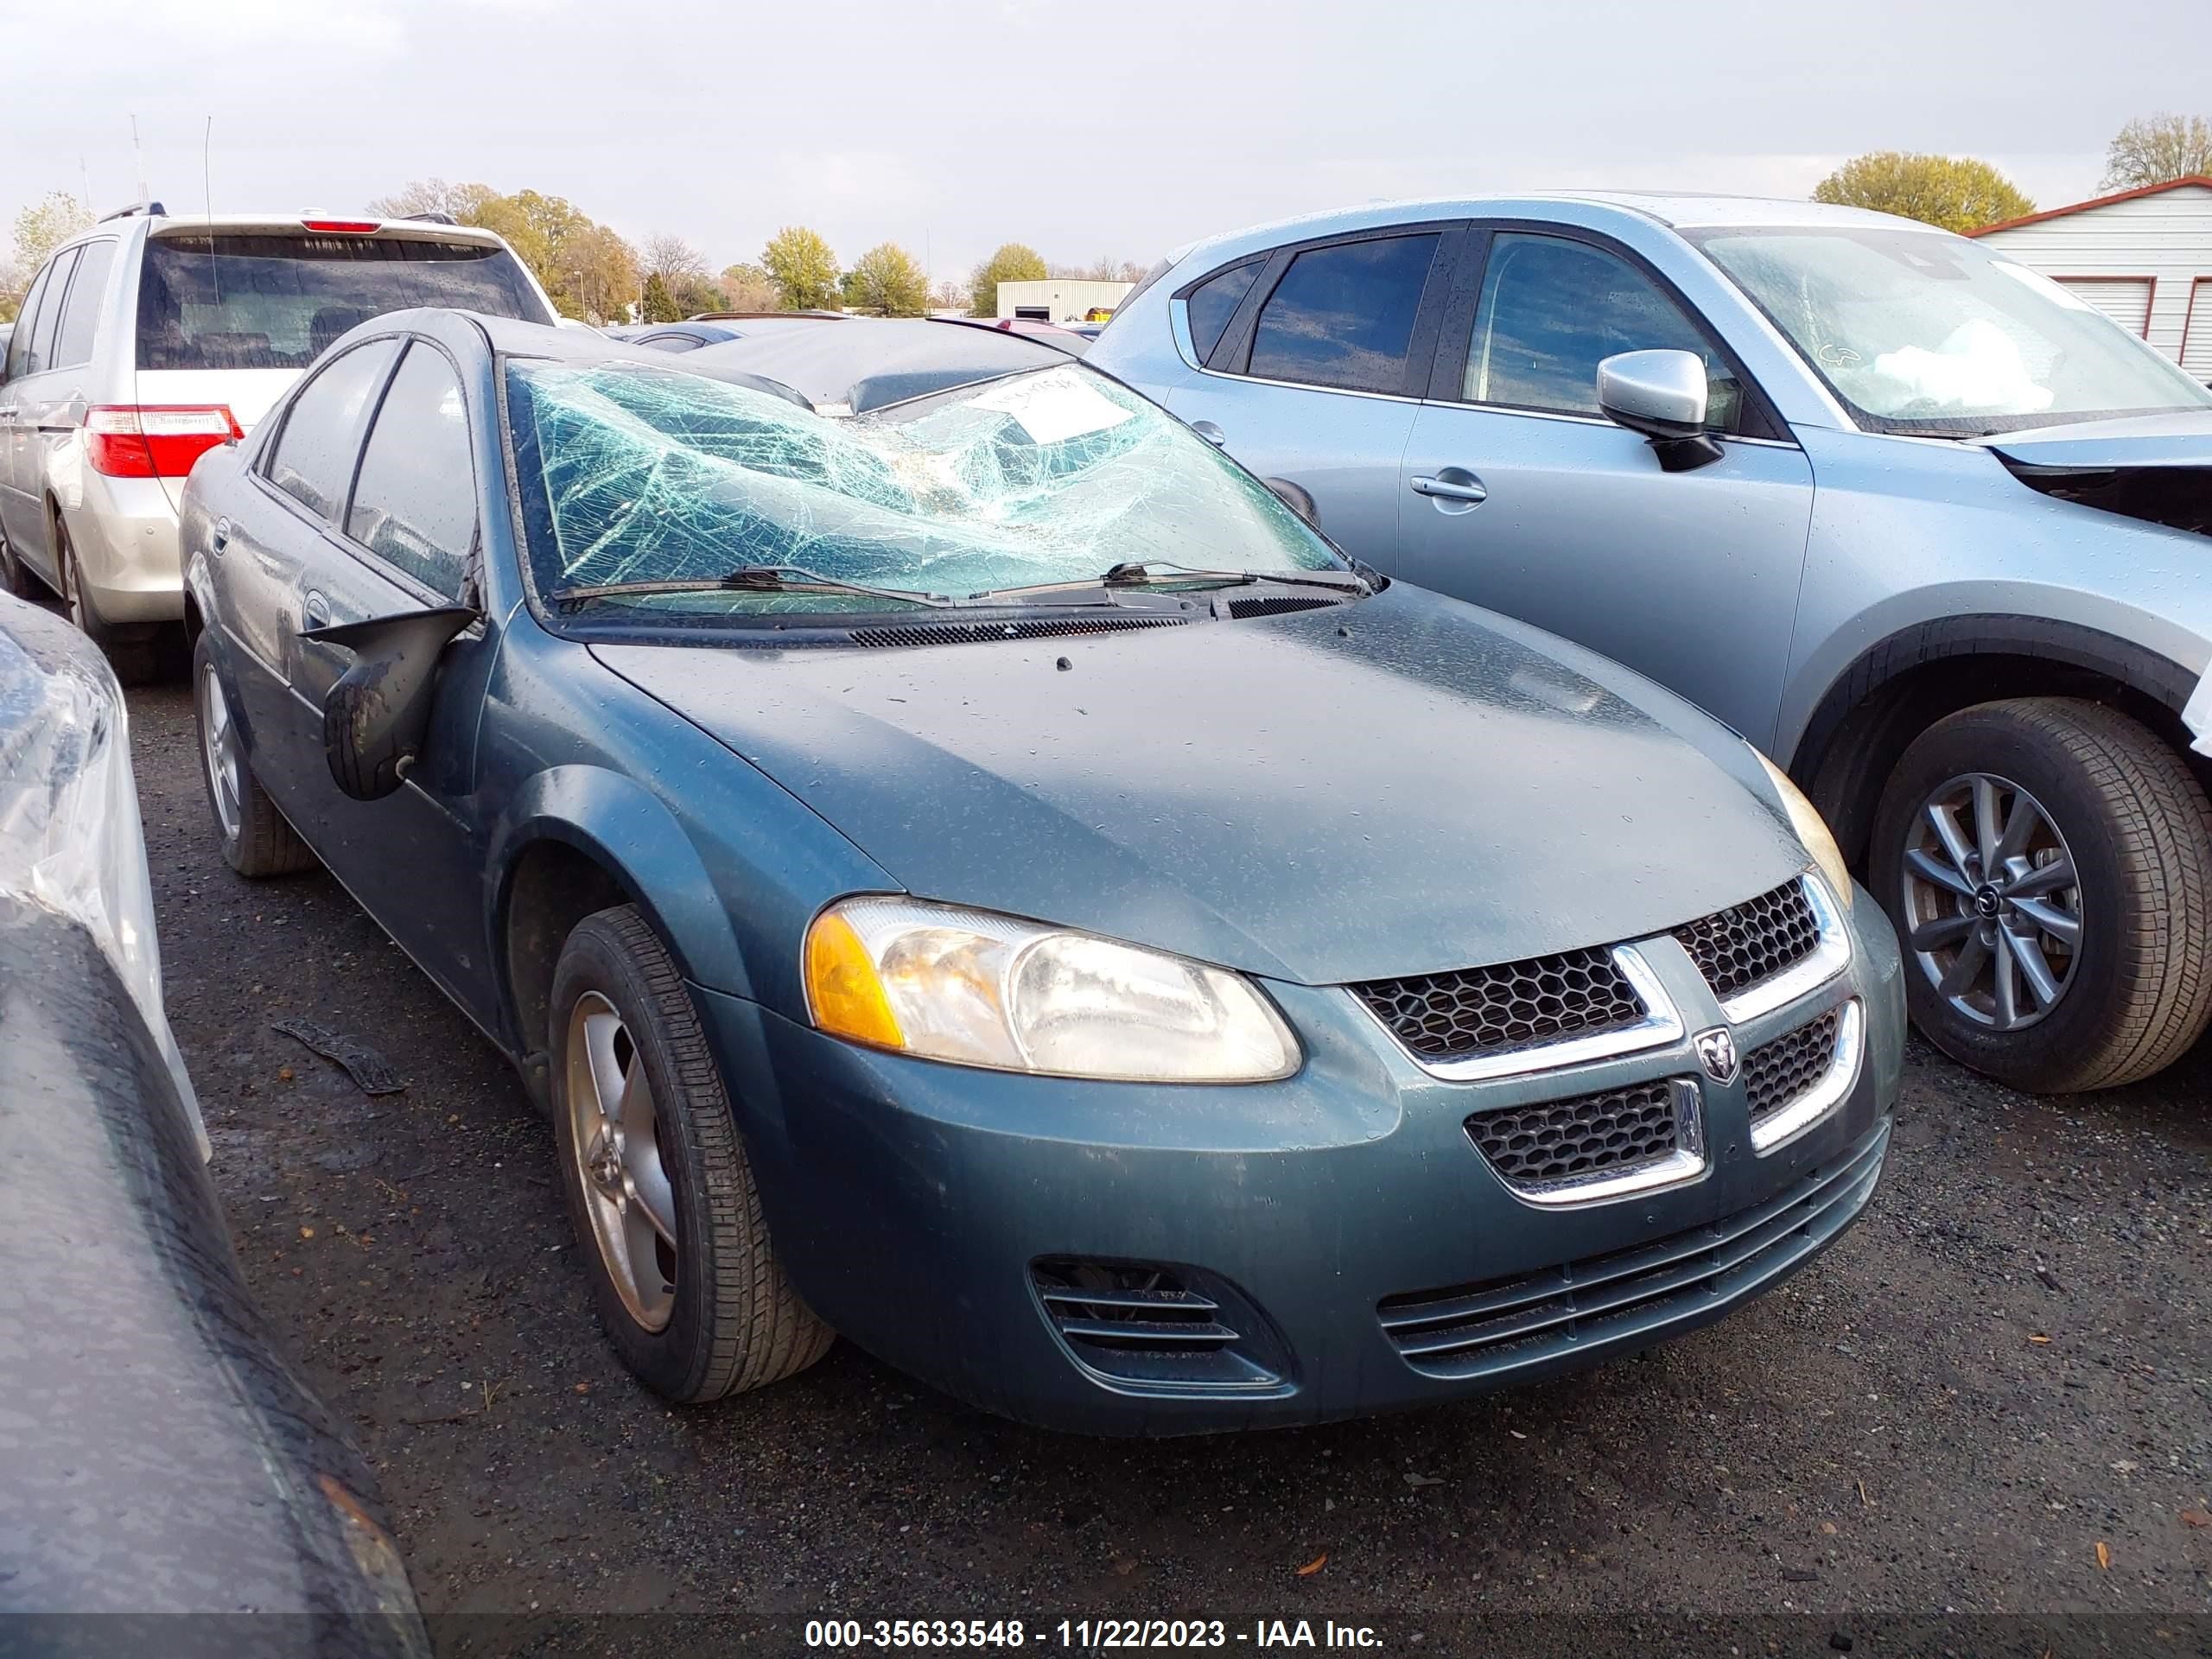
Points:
[1212,434]
[220,537]
[315,613]
[1465,487]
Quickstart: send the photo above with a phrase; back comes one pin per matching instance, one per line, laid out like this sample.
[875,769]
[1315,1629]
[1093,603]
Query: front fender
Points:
[621,825]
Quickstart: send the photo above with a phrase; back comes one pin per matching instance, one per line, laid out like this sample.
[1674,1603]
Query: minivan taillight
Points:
[144,440]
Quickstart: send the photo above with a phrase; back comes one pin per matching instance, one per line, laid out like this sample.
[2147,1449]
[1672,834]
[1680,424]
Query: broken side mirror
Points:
[376,716]
[1661,394]
[1297,498]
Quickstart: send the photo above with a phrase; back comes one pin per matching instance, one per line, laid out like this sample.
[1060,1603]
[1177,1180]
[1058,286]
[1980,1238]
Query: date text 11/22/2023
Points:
[1085,1635]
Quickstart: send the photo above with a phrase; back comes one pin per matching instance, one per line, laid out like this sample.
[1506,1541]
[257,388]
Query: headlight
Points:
[1812,830]
[980,989]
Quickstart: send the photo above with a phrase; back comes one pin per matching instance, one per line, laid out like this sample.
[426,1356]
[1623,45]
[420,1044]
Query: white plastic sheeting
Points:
[70,836]
[645,473]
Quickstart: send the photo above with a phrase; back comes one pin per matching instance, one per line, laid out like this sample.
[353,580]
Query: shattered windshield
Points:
[637,473]
[1938,336]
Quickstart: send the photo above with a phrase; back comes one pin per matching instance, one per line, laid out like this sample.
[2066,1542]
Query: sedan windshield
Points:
[639,474]
[1938,336]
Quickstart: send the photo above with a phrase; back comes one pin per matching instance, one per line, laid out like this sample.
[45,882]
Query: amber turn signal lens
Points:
[843,990]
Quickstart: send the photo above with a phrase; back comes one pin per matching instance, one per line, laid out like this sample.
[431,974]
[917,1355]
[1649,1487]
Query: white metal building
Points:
[1054,300]
[2144,258]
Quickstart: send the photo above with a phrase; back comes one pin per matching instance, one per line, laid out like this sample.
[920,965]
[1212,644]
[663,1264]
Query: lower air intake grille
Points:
[955,634]
[1736,948]
[1529,1145]
[1139,1322]
[1777,1073]
[1479,1010]
[1504,1325]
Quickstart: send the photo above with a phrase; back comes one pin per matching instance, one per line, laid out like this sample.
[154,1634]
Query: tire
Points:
[731,1320]
[2123,808]
[131,652]
[15,579]
[256,842]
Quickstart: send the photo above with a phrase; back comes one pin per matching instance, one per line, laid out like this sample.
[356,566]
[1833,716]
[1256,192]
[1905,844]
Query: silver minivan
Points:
[150,339]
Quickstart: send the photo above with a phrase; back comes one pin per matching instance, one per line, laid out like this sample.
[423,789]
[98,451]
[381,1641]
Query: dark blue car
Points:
[966,866]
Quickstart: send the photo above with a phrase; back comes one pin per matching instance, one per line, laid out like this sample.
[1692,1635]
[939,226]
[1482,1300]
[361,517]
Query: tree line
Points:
[593,274]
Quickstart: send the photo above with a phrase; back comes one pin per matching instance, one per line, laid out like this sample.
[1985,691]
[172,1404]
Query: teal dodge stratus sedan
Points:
[966,866]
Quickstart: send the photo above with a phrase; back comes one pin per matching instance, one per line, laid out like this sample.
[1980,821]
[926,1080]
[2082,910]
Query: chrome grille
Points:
[1779,1072]
[1558,1139]
[1747,944]
[1480,1010]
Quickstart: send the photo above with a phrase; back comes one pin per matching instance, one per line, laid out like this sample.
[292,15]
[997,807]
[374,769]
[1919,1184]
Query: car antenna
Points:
[208,184]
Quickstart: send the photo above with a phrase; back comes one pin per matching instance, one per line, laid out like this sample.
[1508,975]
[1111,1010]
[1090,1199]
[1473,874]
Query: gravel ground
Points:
[1992,1398]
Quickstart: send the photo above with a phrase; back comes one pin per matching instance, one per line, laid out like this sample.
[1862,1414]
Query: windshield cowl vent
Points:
[953,633]
[1278,604]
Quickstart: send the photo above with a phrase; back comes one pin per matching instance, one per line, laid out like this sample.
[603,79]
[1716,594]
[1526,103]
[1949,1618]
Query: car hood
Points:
[1402,786]
[2181,439]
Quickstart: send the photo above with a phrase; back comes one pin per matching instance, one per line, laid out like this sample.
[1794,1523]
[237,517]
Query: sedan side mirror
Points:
[1298,498]
[1661,394]
[375,717]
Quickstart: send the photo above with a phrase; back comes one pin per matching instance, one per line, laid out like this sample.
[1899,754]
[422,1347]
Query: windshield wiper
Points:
[748,579]
[1159,573]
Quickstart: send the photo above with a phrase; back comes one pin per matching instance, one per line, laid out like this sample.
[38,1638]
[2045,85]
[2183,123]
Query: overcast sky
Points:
[1118,128]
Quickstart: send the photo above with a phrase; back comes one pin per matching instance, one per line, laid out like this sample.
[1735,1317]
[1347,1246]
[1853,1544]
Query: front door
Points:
[1518,494]
[404,540]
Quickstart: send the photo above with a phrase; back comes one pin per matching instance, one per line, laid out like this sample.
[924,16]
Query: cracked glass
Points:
[639,473]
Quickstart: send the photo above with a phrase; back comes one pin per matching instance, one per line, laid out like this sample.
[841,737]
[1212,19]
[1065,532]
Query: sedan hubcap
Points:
[614,1131]
[1991,901]
[218,746]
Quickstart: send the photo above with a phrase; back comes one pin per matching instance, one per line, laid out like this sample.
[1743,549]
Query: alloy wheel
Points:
[626,1190]
[219,751]
[1992,901]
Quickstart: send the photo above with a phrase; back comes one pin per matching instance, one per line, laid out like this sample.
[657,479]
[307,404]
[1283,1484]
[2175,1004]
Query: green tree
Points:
[1956,192]
[803,269]
[1014,263]
[748,288]
[45,225]
[658,304]
[2153,149]
[888,281]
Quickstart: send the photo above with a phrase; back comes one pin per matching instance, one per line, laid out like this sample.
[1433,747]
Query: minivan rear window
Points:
[274,302]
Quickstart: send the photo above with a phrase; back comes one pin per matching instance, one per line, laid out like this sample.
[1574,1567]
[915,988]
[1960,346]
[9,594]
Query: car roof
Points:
[878,362]
[1676,210]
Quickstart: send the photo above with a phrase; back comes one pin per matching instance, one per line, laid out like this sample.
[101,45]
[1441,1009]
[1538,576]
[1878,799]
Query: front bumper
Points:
[1342,1222]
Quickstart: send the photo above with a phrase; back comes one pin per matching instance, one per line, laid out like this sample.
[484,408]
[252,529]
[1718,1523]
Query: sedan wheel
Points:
[219,750]
[2048,863]
[257,840]
[612,1137]
[688,1287]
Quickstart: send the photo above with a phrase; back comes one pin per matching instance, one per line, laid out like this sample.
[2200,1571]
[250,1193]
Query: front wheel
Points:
[257,840]
[2048,863]
[687,1285]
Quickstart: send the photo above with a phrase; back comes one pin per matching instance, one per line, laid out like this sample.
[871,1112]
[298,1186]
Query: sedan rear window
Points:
[273,301]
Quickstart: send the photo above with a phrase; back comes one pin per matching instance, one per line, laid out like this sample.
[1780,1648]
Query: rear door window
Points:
[1344,315]
[313,461]
[415,502]
[1552,309]
[1214,302]
[49,313]
[80,315]
[273,301]
[19,343]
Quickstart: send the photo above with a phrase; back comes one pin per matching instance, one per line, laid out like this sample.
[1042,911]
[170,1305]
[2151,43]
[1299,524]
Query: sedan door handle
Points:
[314,613]
[220,537]
[1465,488]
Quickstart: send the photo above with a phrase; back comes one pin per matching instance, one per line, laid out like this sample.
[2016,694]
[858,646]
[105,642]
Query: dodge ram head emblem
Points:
[1716,1052]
